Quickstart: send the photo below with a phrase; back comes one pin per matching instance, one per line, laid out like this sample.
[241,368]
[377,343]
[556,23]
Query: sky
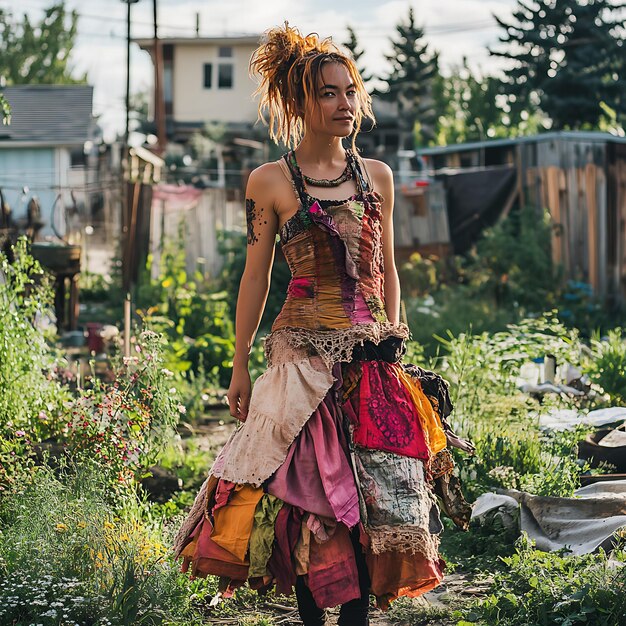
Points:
[455,28]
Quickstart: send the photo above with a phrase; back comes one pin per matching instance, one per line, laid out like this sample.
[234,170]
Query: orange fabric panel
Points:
[233,522]
[395,574]
[431,423]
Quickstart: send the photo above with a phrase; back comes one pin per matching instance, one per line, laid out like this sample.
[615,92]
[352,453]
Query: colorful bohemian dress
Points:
[341,435]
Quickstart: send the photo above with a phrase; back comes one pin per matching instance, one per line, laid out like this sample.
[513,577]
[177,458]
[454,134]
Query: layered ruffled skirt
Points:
[358,447]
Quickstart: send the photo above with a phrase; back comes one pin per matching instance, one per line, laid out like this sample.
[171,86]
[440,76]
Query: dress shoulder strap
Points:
[362,175]
[288,161]
[289,175]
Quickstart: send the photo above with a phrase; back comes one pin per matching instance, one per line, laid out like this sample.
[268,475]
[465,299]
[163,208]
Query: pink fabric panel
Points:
[387,418]
[316,475]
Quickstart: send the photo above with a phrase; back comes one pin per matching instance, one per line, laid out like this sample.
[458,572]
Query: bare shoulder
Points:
[269,185]
[382,180]
[265,176]
[378,169]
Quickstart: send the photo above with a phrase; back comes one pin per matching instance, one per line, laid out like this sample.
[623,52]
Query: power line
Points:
[111,18]
[452,28]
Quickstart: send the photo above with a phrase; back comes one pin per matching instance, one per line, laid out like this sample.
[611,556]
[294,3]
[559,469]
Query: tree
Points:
[410,82]
[353,45]
[568,60]
[468,107]
[38,53]
[5,110]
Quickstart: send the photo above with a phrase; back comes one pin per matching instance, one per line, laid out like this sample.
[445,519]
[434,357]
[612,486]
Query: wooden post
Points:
[127,326]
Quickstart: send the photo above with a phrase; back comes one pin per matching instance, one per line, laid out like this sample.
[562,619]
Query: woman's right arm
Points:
[262,226]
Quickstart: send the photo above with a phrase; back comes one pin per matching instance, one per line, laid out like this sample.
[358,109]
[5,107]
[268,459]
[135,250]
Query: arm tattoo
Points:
[252,214]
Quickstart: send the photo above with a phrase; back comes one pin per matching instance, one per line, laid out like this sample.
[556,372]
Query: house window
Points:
[225,76]
[168,78]
[78,158]
[208,75]
[225,51]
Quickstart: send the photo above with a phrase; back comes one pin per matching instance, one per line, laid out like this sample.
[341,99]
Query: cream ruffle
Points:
[283,398]
[332,346]
[403,539]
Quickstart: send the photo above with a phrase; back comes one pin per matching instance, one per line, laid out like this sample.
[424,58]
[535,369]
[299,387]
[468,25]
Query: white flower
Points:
[182,409]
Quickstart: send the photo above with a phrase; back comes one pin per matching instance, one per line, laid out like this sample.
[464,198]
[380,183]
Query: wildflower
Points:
[182,409]
[20,433]
[167,372]
[109,525]
[60,527]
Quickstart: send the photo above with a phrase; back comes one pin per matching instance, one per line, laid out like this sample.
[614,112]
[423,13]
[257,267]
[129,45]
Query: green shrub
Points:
[606,365]
[63,536]
[31,396]
[126,423]
[545,589]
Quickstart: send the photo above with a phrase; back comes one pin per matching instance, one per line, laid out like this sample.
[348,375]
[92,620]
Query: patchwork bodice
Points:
[334,252]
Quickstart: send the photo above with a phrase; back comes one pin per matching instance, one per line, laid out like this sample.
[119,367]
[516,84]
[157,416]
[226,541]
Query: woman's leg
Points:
[310,613]
[354,613]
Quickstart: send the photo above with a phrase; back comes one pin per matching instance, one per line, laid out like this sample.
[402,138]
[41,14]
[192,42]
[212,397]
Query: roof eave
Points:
[597,136]
[42,144]
[146,43]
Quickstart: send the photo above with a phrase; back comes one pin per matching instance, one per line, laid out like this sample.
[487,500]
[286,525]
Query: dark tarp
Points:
[475,200]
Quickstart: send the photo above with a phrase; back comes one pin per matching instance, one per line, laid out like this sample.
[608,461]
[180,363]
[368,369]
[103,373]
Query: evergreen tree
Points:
[467,106]
[38,53]
[569,60]
[410,83]
[353,45]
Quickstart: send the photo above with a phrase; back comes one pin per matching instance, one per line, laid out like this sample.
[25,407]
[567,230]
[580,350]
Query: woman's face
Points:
[333,110]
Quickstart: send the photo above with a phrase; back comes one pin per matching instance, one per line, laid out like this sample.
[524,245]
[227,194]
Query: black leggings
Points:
[353,613]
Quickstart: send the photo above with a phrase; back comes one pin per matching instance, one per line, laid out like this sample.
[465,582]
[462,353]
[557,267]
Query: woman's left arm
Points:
[383,183]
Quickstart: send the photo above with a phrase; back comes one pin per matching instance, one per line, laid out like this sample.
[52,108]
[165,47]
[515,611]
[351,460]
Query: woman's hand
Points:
[238,395]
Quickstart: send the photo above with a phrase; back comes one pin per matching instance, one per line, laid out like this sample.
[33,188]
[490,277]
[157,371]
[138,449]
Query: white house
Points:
[206,79]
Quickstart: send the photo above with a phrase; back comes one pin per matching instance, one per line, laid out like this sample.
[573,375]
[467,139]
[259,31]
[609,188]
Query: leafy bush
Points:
[501,420]
[82,559]
[606,365]
[418,275]
[451,311]
[513,262]
[31,396]
[545,589]
[125,424]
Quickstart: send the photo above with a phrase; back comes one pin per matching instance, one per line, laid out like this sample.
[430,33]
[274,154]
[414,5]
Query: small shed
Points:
[579,177]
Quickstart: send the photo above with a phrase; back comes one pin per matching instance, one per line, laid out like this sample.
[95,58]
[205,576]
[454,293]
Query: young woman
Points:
[328,484]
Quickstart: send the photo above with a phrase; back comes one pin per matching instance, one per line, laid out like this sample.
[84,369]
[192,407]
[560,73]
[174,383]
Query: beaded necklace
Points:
[346,175]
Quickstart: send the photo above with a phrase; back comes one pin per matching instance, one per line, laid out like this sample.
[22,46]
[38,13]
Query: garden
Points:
[100,456]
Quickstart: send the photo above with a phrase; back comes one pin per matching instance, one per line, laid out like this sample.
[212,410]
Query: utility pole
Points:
[159,104]
[126,128]
[126,208]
